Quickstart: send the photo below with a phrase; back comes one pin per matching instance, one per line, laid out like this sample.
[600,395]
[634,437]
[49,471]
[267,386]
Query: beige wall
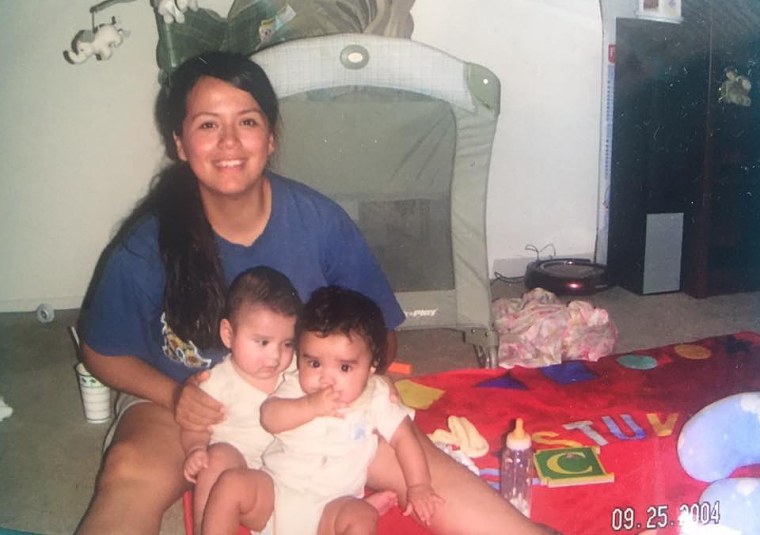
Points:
[544,167]
[79,147]
[77,150]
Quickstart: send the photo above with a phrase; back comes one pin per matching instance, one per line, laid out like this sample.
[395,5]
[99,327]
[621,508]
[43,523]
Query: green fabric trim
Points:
[205,30]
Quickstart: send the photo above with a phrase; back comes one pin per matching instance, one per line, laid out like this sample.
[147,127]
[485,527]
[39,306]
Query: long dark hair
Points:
[194,294]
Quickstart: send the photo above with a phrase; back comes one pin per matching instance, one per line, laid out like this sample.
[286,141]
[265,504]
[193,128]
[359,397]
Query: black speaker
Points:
[657,151]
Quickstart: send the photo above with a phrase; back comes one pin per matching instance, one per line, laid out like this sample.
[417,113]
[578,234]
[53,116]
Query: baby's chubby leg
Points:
[221,457]
[239,496]
[348,516]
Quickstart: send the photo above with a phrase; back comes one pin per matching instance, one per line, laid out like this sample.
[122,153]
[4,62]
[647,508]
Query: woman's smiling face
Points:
[226,138]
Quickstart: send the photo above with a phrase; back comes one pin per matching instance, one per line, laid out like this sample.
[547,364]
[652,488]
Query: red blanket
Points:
[633,406]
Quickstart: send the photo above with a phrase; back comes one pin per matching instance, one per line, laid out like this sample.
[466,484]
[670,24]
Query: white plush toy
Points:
[174,10]
[99,43]
[713,444]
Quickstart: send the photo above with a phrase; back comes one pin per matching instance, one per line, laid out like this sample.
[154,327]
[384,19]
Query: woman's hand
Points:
[194,409]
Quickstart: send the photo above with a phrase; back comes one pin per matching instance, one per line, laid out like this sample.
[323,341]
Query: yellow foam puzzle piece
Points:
[417,396]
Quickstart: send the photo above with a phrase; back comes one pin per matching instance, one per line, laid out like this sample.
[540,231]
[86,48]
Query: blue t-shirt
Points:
[308,237]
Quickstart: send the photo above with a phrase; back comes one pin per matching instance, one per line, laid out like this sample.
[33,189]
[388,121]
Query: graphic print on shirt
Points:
[180,351]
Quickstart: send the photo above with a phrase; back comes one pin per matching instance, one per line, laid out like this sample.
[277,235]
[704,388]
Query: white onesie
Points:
[242,426]
[328,457]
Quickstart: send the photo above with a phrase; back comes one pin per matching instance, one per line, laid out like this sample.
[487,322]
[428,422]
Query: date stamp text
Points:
[626,518]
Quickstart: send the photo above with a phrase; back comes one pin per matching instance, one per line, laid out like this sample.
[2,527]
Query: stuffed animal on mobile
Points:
[174,10]
[99,43]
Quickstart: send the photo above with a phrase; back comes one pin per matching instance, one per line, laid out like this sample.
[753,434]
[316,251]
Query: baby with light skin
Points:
[258,329]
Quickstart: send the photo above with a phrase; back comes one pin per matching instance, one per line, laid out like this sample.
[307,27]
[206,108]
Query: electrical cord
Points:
[509,280]
[531,247]
[520,278]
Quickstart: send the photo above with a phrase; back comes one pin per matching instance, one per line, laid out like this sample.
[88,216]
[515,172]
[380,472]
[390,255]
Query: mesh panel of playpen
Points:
[387,157]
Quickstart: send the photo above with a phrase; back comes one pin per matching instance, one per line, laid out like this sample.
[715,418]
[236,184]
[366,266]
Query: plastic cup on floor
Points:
[96,397]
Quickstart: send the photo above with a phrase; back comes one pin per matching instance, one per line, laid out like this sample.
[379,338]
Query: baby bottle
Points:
[517,468]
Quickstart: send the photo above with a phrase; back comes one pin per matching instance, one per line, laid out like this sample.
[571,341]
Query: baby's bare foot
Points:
[383,501]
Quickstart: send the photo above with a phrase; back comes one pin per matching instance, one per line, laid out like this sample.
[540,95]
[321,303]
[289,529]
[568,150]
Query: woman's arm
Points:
[193,409]
[132,375]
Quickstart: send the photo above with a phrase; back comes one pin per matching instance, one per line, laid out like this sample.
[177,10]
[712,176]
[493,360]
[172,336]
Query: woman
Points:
[152,320]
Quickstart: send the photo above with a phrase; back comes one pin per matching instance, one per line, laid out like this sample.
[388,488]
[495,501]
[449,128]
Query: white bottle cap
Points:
[518,439]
